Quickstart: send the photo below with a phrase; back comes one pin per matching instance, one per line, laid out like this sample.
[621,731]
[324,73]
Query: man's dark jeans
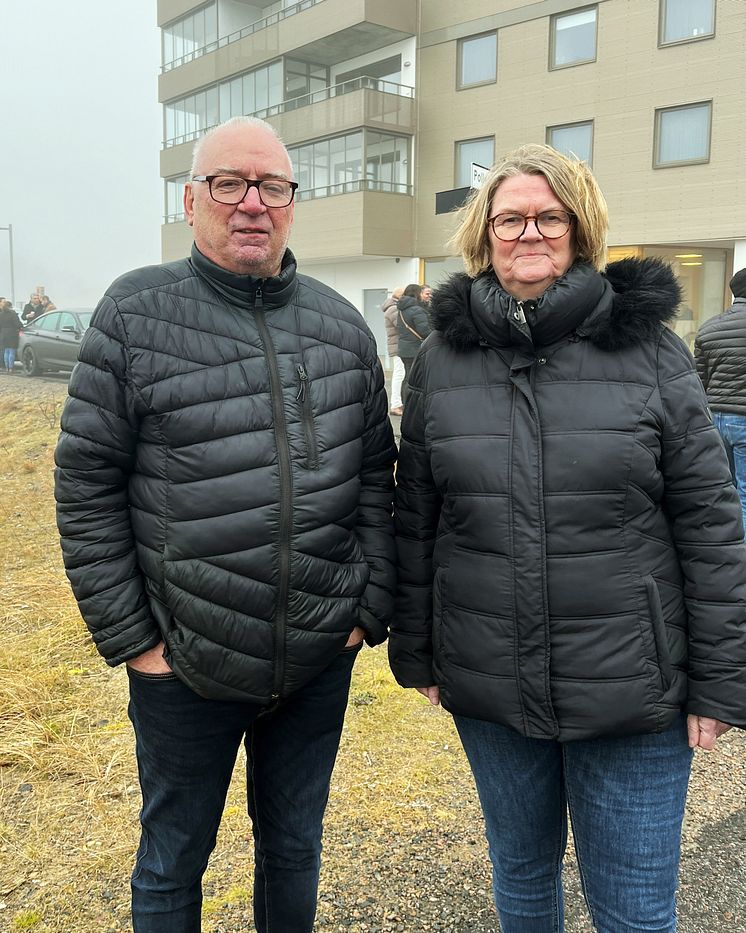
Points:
[186,751]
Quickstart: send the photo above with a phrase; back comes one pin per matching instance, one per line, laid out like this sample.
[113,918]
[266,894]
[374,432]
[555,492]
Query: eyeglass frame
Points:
[535,217]
[250,183]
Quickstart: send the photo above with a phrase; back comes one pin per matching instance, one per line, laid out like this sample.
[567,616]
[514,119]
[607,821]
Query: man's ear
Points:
[189,203]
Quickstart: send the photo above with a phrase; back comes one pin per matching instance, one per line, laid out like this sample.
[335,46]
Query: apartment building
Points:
[389,107]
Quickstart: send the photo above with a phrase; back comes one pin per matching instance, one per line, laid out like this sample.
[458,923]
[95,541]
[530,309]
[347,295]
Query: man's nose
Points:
[251,201]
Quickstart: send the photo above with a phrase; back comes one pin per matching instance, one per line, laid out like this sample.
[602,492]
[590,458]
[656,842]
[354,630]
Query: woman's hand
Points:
[704,732]
[432,693]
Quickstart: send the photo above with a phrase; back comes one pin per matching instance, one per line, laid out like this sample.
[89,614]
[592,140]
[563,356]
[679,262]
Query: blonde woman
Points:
[572,573]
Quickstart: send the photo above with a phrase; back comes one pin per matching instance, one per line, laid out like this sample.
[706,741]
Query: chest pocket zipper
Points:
[309,427]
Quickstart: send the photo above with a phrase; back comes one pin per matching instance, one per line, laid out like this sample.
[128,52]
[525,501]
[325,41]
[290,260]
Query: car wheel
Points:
[30,363]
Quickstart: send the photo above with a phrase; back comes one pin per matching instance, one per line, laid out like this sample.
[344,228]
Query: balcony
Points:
[324,32]
[347,221]
[363,101]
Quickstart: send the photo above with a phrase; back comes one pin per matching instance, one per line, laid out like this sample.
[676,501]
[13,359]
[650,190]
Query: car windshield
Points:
[85,318]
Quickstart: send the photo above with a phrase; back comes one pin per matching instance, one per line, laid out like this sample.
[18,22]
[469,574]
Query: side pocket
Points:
[309,426]
[438,611]
[659,632]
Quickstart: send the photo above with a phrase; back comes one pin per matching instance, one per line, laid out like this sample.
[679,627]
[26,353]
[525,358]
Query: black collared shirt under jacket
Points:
[570,544]
[224,477]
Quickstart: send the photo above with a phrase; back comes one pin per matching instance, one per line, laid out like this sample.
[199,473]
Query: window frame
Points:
[459,60]
[553,20]
[460,142]
[657,164]
[664,44]
[562,126]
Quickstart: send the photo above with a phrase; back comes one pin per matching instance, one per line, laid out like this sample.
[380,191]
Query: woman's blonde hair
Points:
[569,179]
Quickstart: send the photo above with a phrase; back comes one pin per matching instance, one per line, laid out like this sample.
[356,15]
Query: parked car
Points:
[52,340]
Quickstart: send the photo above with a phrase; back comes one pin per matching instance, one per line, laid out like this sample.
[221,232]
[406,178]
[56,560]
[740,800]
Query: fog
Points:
[79,143]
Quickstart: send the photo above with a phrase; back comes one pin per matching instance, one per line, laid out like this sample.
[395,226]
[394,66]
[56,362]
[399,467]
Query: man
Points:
[32,309]
[720,353]
[224,492]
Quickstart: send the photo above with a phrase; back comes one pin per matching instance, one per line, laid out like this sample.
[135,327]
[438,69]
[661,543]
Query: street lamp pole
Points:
[9,228]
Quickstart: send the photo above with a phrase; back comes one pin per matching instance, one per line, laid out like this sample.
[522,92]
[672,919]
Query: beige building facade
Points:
[386,106]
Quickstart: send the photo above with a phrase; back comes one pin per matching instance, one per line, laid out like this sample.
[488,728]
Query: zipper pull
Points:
[303,376]
[518,314]
[258,296]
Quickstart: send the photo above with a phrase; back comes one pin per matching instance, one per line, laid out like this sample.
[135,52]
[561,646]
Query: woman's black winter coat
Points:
[10,326]
[571,556]
[411,315]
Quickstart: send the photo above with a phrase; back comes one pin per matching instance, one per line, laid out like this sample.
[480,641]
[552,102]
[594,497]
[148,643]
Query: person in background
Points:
[572,571]
[390,318]
[720,354]
[224,492]
[426,294]
[47,304]
[32,309]
[414,325]
[10,325]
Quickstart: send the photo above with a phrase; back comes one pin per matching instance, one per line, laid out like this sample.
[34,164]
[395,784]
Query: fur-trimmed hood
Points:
[624,306]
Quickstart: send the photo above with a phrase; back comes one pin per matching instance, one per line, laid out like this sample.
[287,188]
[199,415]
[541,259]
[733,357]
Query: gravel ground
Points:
[431,873]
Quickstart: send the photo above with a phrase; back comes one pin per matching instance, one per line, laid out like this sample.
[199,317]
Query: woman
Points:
[10,327]
[413,326]
[572,567]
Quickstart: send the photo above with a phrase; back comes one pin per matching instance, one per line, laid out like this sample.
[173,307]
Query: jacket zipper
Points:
[286,492]
[304,397]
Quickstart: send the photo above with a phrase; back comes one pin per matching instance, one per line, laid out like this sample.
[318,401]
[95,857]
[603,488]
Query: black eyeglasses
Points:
[232,189]
[512,226]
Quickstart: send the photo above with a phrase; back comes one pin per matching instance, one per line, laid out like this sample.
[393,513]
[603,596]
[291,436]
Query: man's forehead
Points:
[236,147]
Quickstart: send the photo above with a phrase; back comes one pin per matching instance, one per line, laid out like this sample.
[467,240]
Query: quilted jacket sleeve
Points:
[700,359]
[706,519]
[374,528]
[416,513]
[94,456]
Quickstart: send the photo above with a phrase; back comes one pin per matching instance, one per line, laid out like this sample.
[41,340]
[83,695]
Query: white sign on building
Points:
[478,175]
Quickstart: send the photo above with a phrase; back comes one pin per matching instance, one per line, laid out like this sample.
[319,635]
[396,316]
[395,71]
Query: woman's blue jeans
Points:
[186,751]
[732,429]
[626,801]
[9,358]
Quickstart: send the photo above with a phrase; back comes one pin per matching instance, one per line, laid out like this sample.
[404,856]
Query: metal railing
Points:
[306,100]
[328,191]
[352,187]
[249,30]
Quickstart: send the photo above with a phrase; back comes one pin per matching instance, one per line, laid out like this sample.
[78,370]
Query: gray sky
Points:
[79,143]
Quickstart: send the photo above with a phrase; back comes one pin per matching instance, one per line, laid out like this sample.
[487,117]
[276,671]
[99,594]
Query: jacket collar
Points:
[241,290]
[625,306]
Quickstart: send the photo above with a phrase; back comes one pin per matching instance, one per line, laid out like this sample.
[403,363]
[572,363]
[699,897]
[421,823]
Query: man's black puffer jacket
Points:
[224,477]
[571,559]
[720,354]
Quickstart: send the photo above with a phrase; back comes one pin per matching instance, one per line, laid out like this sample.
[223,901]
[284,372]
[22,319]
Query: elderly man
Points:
[224,491]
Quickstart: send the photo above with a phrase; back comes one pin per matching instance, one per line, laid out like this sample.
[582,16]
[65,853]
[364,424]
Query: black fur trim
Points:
[646,296]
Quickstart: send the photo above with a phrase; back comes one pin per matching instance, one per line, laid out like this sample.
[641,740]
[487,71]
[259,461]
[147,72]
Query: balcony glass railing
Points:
[249,30]
[306,100]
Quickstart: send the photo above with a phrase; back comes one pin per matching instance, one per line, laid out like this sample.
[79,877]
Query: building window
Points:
[574,140]
[481,151]
[685,20]
[184,36]
[174,198]
[255,93]
[477,60]
[573,38]
[361,161]
[682,135]
[190,116]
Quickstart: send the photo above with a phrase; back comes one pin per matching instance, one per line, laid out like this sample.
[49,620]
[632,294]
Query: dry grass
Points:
[68,787]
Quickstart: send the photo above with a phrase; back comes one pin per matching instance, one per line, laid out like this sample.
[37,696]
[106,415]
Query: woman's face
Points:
[526,267]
